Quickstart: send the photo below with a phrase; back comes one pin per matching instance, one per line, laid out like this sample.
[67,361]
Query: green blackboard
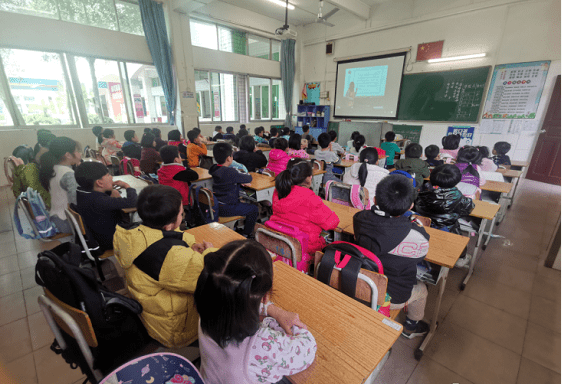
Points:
[443,96]
[410,132]
[334,126]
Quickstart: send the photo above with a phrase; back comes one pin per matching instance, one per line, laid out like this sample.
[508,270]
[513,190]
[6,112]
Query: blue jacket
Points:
[226,183]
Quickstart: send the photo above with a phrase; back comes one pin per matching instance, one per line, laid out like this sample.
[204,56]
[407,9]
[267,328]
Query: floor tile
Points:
[41,334]
[13,308]
[430,372]
[22,370]
[546,272]
[546,313]
[27,259]
[31,295]
[52,369]
[399,365]
[7,249]
[542,346]
[28,278]
[447,301]
[531,372]
[15,341]
[10,283]
[505,257]
[513,277]
[28,245]
[547,288]
[6,237]
[9,264]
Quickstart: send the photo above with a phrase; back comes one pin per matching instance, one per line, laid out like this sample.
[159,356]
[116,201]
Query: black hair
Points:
[24,152]
[242,126]
[395,194]
[280,143]
[295,141]
[97,131]
[367,156]
[44,137]
[484,151]
[286,131]
[451,142]
[230,288]
[333,135]
[445,176]
[174,135]
[413,151]
[258,130]
[354,134]
[147,130]
[296,173]
[192,135]
[147,140]
[88,173]
[129,134]
[168,153]
[502,147]
[221,151]
[159,205]
[156,132]
[324,140]
[242,132]
[305,128]
[107,133]
[390,136]
[273,131]
[196,130]
[218,128]
[57,149]
[247,143]
[431,151]
[229,129]
[358,142]
[472,156]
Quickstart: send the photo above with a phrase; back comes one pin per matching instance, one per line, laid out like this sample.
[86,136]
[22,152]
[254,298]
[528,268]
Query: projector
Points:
[286,33]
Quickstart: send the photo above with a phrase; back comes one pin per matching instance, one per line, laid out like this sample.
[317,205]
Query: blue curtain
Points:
[154,26]
[288,76]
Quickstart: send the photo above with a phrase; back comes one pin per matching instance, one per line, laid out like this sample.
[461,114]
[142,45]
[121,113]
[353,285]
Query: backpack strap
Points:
[349,265]
[150,261]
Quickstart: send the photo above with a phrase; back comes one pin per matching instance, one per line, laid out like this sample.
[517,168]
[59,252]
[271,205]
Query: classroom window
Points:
[258,46]
[5,117]
[277,100]
[265,99]
[128,14]
[40,8]
[203,90]
[217,98]
[231,40]
[145,86]
[275,50]
[203,34]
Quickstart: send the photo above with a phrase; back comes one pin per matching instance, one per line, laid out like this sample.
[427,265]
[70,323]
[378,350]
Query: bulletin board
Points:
[312,93]
[409,132]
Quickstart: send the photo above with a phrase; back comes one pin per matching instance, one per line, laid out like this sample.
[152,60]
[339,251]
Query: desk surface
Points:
[261,182]
[345,214]
[215,233]
[484,209]
[202,173]
[519,163]
[345,163]
[497,186]
[510,172]
[352,338]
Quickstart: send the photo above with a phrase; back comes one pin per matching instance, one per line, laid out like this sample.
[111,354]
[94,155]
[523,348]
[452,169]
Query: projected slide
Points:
[369,87]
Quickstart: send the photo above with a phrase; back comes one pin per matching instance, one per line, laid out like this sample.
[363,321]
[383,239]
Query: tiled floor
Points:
[504,328]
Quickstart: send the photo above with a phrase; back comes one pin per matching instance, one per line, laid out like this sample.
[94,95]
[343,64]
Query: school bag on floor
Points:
[296,233]
[134,162]
[202,212]
[45,227]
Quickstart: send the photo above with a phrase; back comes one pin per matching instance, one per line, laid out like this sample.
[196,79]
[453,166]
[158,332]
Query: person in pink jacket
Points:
[296,204]
[278,157]
[110,145]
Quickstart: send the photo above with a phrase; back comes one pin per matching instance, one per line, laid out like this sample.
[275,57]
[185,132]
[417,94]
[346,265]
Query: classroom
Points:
[71,66]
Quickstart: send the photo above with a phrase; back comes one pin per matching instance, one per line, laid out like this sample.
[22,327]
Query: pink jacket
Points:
[301,153]
[278,160]
[488,165]
[305,210]
[110,148]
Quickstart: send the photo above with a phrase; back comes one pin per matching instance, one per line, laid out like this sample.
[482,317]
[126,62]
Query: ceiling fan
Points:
[284,31]
[324,19]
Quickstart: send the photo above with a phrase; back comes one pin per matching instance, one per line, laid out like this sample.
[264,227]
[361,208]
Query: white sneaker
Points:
[463,262]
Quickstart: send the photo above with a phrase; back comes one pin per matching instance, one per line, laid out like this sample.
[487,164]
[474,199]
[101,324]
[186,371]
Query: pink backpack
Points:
[125,166]
[296,233]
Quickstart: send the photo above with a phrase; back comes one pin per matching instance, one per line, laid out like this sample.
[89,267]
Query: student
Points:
[229,135]
[443,203]
[217,135]
[468,161]
[196,148]
[158,138]
[163,277]
[286,133]
[390,148]
[413,164]
[273,135]
[451,145]
[278,157]
[487,164]
[307,136]
[57,176]
[366,172]
[501,148]
[131,147]
[149,155]
[349,144]
[249,156]
[335,145]
[304,144]
[110,145]
[400,244]
[295,147]
[44,138]
[233,292]
[295,203]
[325,154]
[174,174]
[258,137]
[241,133]
[226,188]
[358,145]
[432,156]
[175,138]
[98,203]
[97,131]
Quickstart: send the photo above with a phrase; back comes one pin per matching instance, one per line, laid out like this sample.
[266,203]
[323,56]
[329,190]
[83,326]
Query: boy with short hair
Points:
[286,133]
[162,265]
[400,244]
[273,135]
[174,174]
[258,137]
[326,154]
[98,203]
[413,164]
[336,147]
[229,135]
[217,135]
[501,148]
[390,148]
[196,147]
[131,148]
[226,188]
[432,156]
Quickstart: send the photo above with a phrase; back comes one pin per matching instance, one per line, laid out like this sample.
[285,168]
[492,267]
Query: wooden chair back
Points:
[268,172]
[78,219]
[206,197]
[116,163]
[9,168]
[319,165]
[279,243]
[426,221]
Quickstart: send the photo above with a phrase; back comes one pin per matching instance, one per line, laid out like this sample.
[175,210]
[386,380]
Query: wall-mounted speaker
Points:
[329,47]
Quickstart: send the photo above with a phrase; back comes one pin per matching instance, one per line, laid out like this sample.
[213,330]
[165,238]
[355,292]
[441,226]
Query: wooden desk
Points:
[215,233]
[510,172]
[497,186]
[352,338]
[345,163]
[205,179]
[519,164]
[345,214]
[263,185]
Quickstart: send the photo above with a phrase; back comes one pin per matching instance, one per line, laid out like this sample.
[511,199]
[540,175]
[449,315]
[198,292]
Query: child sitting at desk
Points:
[501,148]
[432,157]
[174,138]
[278,156]
[336,147]
[273,135]
[325,154]
[450,146]
[98,203]
[487,164]
[258,137]
[358,145]
[243,337]
[413,164]
[468,161]
[286,133]
[226,187]
[390,148]
[249,156]
[217,135]
[196,147]
[366,172]
[295,147]
[174,174]
[400,244]
[131,147]
[162,265]
[229,135]
[149,155]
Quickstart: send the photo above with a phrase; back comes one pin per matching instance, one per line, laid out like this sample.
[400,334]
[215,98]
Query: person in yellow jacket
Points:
[162,265]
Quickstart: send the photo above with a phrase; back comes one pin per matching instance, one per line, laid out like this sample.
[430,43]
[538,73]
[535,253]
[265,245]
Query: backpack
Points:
[134,162]
[200,211]
[27,175]
[349,195]
[45,227]
[301,236]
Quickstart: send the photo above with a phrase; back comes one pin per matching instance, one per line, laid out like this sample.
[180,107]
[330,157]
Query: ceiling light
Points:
[282,4]
[456,58]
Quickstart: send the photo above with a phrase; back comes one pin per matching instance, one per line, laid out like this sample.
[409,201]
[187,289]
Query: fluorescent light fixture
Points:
[456,58]
[282,4]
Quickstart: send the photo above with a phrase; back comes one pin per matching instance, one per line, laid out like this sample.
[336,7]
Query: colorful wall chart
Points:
[467,134]
[312,93]
[515,90]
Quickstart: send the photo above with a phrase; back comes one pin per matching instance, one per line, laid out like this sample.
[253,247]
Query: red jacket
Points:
[178,177]
[305,210]
[278,160]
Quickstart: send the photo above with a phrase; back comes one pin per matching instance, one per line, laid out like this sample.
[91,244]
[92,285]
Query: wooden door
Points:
[545,164]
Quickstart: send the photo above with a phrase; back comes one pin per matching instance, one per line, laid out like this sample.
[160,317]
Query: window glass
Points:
[277,100]
[86,85]
[146,94]
[231,40]
[129,17]
[203,34]
[43,8]
[258,46]
[203,90]
[275,50]
[5,118]
[216,96]
[74,11]
[110,91]
[229,99]
[259,98]
[101,13]
[37,83]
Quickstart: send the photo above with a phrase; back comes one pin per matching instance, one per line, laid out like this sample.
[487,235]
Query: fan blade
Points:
[329,14]
[323,21]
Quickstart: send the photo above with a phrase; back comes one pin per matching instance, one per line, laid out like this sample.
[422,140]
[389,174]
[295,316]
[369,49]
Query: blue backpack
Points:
[203,211]
[43,225]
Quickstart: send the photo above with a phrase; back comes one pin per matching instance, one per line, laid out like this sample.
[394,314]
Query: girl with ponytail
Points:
[232,297]
[358,145]
[296,204]
[468,161]
[57,176]
[366,172]
[97,131]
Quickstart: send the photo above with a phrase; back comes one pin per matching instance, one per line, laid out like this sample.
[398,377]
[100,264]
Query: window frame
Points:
[250,101]
[211,121]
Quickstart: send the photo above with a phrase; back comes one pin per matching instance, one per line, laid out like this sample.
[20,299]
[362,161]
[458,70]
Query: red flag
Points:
[428,51]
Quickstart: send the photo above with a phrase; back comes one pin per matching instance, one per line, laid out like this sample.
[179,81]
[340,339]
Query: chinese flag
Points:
[428,51]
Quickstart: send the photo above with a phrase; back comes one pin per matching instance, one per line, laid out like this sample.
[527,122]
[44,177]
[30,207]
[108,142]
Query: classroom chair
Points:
[115,165]
[268,172]
[280,244]
[86,150]
[9,168]
[206,197]
[25,206]
[340,193]
[319,165]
